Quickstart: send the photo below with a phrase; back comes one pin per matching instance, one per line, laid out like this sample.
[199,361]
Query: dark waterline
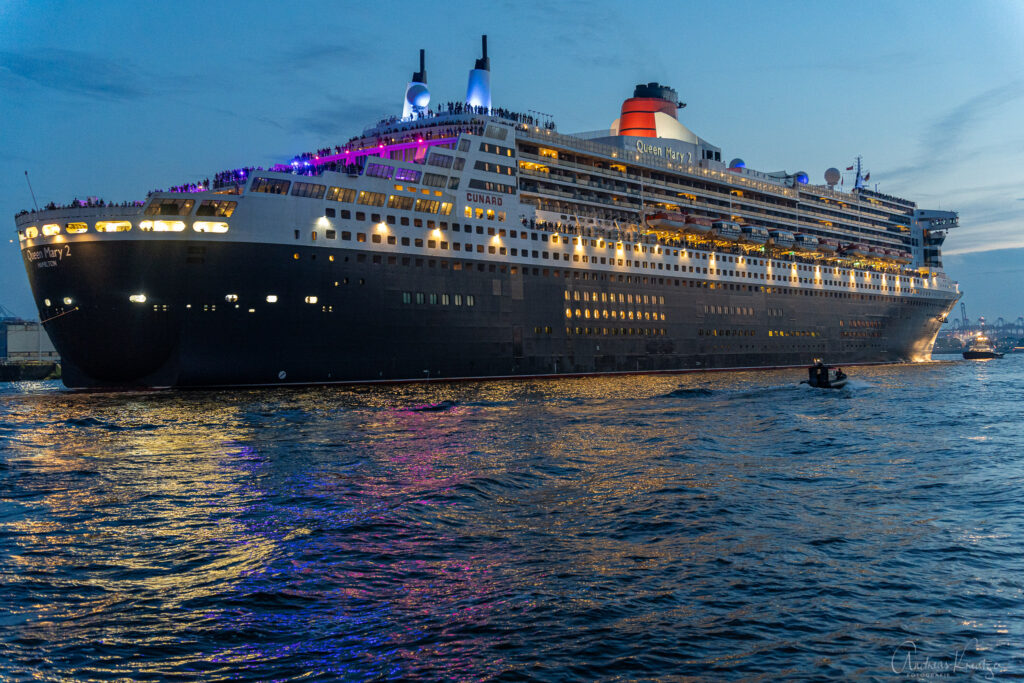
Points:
[695,526]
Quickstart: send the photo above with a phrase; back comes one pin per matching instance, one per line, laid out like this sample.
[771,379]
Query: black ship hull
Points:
[363,317]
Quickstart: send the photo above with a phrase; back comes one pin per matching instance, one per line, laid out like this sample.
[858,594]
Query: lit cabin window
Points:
[170,207]
[311,299]
[68,301]
[216,207]
[137,298]
[31,232]
[51,230]
[271,298]
[161,226]
[270,185]
[231,298]
[46,302]
[210,226]
[21,235]
[76,228]
[113,226]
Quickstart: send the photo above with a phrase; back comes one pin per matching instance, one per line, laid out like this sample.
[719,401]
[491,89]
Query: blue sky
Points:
[112,99]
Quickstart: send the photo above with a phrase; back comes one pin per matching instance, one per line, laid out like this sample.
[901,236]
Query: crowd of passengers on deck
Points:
[76,203]
[308,163]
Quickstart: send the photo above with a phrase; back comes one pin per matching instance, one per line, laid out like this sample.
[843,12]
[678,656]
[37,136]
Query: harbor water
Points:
[687,527]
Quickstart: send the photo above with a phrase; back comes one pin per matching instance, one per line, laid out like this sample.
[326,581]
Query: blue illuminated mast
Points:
[478,91]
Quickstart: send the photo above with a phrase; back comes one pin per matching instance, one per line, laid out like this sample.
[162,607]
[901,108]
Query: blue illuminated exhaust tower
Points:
[417,96]
[478,92]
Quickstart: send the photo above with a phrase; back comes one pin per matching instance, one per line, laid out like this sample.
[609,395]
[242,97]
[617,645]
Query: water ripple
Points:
[689,527]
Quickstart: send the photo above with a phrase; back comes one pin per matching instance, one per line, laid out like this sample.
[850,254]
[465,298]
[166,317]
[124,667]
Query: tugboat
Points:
[822,376]
[981,348]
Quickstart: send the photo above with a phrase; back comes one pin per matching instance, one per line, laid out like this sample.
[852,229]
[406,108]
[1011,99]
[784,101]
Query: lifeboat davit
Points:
[783,239]
[804,242]
[754,234]
[667,220]
[828,244]
[726,230]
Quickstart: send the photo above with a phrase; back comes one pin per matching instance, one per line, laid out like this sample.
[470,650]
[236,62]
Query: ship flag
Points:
[849,168]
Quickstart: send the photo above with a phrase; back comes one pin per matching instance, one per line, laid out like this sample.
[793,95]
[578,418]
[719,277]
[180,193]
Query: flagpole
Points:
[32,191]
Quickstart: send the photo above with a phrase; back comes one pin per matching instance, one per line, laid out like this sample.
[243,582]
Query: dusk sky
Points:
[113,99]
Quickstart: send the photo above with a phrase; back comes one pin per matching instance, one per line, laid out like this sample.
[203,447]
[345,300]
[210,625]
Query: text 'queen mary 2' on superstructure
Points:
[466,240]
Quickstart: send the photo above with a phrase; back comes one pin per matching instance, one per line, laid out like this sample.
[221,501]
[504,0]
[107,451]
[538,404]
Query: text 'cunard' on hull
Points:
[467,240]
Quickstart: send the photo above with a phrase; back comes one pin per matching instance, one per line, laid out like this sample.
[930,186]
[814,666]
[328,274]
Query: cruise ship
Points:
[470,241]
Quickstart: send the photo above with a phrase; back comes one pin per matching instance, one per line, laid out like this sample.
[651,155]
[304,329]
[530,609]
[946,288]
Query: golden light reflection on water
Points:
[379,532]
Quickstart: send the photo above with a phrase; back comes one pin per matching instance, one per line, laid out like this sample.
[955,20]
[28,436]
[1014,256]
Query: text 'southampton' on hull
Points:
[466,240]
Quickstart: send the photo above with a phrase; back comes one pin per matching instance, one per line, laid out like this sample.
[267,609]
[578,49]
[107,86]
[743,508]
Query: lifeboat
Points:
[901,257]
[726,230]
[878,252]
[827,244]
[855,249]
[781,239]
[698,225]
[804,242]
[754,234]
[667,220]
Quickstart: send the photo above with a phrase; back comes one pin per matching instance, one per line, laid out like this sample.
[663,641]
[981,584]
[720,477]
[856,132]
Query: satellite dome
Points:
[832,176]
[418,95]
[737,163]
[801,177]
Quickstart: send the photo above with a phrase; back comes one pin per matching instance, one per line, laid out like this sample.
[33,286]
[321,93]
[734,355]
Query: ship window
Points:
[332,234]
[111,226]
[346,235]
[311,190]
[311,299]
[271,298]
[170,207]
[75,228]
[438,159]
[345,213]
[453,183]
[406,297]
[427,205]
[404,220]
[216,207]
[209,226]
[341,194]
[408,174]
[270,185]
[379,170]
[376,238]
[360,216]
[162,226]
[371,198]
[458,299]
[51,229]
[360,237]
[330,213]
[434,179]
[470,300]
[401,203]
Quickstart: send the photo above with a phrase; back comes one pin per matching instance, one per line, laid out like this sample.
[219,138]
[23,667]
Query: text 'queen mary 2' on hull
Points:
[467,240]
